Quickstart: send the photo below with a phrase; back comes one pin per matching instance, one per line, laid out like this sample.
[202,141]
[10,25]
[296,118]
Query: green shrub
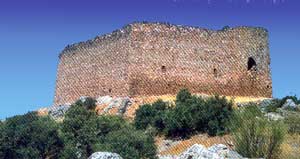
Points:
[84,133]
[293,98]
[293,123]
[255,136]
[278,103]
[274,105]
[178,122]
[218,113]
[107,124]
[79,132]
[151,115]
[191,114]
[197,115]
[183,95]
[130,144]
[29,136]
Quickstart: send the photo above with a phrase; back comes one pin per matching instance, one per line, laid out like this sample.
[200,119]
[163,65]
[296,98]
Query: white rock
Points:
[105,155]
[274,116]
[104,100]
[199,151]
[83,98]
[266,102]
[121,103]
[219,149]
[57,112]
[168,157]
[289,103]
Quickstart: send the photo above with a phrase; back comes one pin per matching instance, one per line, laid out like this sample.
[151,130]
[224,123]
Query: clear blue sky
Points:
[33,32]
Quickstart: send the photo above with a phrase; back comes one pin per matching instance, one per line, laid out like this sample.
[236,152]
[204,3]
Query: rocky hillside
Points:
[126,106]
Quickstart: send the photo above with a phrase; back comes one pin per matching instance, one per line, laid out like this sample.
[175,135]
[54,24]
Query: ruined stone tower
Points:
[157,58]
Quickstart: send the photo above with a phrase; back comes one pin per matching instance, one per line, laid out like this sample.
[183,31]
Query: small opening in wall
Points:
[268,86]
[109,90]
[251,63]
[163,68]
[215,72]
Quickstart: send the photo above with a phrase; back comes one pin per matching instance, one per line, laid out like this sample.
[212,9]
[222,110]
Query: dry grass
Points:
[42,112]
[240,99]
[291,147]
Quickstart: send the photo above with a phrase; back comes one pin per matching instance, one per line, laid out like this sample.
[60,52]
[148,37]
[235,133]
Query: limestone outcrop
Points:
[197,151]
[105,155]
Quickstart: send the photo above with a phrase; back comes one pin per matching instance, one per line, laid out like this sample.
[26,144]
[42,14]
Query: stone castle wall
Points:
[155,59]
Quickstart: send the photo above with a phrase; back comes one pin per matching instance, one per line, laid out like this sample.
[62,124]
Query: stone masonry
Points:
[160,58]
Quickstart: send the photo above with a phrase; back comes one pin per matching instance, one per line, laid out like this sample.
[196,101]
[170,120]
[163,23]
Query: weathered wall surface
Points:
[93,68]
[167,58]
[155,59]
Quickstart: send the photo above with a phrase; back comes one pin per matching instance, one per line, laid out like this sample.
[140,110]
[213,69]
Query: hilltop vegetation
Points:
[189,115]
[83,132]
[80,134]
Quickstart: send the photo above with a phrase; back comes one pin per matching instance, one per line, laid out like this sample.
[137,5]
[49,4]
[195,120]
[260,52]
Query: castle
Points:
[160,58]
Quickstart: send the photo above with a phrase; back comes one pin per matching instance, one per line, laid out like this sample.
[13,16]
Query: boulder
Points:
[274,116]
[105,155]
[266,102]
[104,100]
[115,105]
[289,103]
[219,149]
[199,151]
[58,112]
[168,157]
[83,98]
[224,152]
[124,104]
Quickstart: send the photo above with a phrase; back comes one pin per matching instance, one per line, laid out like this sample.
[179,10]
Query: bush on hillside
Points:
[79,132]
[278,103]
[255,136]
[151,115]
[293,98]
[191,114]
[183,96]
[29,136]
[274,105]
[218,112]
[198,115]
[107,124]
[130,144]
[89,103]
[179,122]
[85,133]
